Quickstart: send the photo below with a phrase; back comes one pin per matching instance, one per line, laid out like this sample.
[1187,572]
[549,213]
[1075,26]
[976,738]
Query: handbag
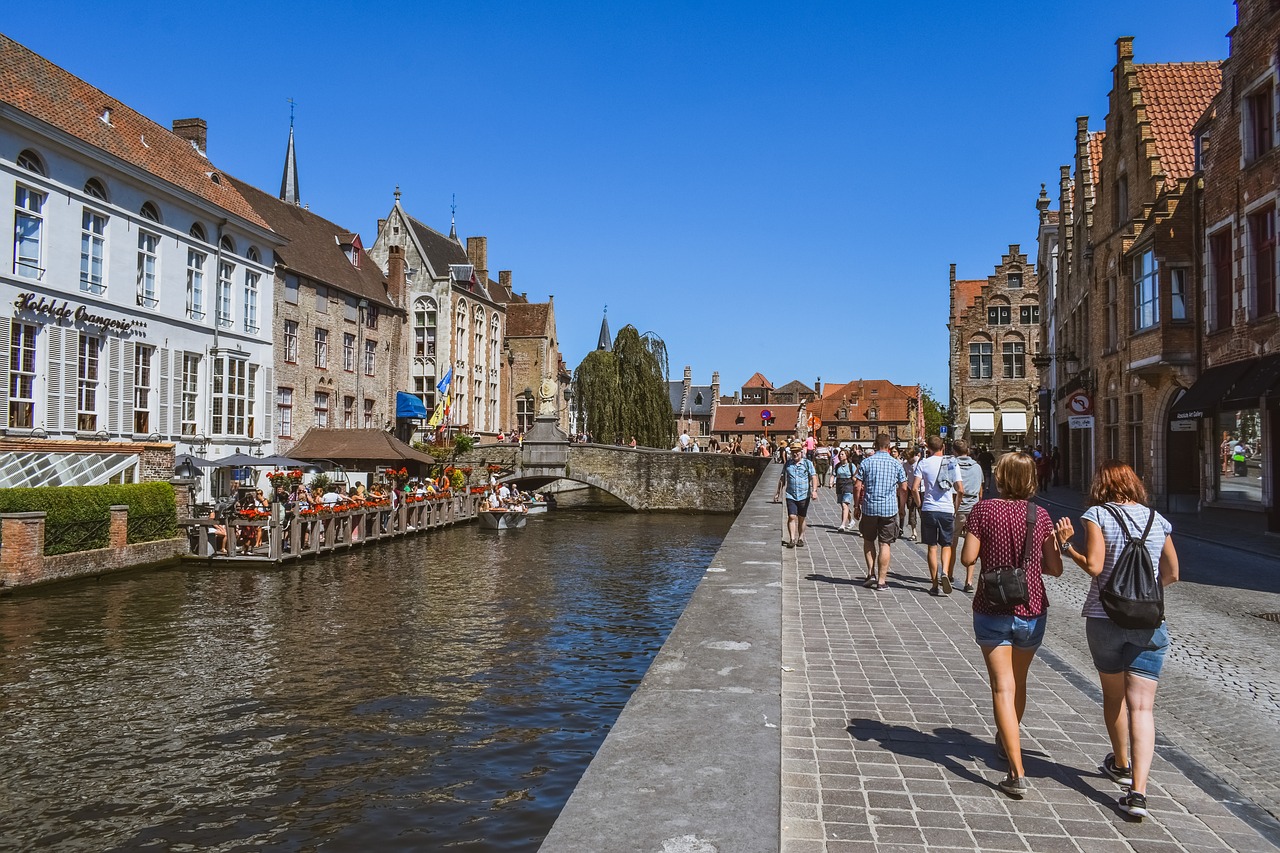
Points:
[1006,586]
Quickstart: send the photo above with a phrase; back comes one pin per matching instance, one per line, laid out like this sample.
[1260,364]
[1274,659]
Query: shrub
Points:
[74,510]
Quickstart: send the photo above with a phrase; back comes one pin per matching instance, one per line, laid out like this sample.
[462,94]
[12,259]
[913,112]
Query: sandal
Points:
[801,544]
[882,587]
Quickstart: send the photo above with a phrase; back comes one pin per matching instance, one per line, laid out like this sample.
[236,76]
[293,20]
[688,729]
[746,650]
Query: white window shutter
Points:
[5,328]
[53,351]
[269,411]
[175,392]
[70,365]
[113,387]
[127,356]
[163,355]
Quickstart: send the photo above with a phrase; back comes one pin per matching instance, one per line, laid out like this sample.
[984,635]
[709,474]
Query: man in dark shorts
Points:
[800,480]
[879,491]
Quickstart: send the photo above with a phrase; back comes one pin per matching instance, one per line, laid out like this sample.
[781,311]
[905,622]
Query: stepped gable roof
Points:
[690,407]
[37,87]
[527,319]
[746,418]
[1176,94]
[795,386]
[891,402]
[439,249]
[757,380]
[314,248]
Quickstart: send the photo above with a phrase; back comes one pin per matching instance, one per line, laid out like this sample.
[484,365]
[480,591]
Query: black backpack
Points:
[1132,595]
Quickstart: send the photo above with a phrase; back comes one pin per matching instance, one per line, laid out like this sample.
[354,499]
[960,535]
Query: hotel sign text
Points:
[63,312]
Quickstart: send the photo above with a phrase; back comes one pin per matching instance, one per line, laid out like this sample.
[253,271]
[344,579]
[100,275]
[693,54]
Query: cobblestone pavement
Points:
[887,734]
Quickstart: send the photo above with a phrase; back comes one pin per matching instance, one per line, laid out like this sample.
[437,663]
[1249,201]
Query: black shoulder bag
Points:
[1006,586]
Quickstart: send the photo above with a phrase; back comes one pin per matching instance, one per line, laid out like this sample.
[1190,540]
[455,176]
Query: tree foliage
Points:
[935,414]
[624,393]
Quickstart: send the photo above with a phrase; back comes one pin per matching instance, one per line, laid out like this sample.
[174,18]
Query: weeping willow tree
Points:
[624,393]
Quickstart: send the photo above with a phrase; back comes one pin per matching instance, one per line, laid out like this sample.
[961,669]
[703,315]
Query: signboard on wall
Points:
[1182,426]
[1080,421]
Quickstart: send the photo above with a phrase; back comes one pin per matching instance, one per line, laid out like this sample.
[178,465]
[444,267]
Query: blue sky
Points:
[773,187]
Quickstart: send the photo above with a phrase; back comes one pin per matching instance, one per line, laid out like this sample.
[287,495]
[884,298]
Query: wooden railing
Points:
[288,535]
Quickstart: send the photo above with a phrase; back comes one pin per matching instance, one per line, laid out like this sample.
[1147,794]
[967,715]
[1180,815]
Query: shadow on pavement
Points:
[952,747]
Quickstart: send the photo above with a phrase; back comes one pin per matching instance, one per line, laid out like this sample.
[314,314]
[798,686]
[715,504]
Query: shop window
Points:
[1240,474]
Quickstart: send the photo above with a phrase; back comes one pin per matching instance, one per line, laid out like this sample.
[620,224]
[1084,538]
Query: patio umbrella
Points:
[237,460]
[276,461]
[193,461]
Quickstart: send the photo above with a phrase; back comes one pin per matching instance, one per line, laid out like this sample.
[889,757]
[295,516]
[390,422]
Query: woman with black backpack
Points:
[1130,556]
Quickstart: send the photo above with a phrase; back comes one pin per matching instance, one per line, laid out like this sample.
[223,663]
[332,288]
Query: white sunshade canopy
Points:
[982,422]
[1013,421]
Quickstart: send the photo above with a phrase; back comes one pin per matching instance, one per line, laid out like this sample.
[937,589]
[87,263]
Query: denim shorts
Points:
[936,527]
[1018,631]
[1137,650]
[798,508]
[846,497]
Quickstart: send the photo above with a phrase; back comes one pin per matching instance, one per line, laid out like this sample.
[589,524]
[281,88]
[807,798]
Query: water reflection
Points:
[443,691]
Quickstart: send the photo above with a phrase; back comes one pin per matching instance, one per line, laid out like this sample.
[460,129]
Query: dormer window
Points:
[149,211]
[351,247]
[227,244]
[697,400]
[106,115]
[197,231]
[1015,280]
[872,414]
[253,255]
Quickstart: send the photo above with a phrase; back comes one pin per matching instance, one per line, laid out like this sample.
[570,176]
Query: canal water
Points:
[441,692]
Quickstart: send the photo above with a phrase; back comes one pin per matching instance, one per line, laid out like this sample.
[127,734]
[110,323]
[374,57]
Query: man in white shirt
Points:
[939,479]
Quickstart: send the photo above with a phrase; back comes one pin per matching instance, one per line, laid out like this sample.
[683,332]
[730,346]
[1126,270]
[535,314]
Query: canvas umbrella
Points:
[276,461]
[238,460]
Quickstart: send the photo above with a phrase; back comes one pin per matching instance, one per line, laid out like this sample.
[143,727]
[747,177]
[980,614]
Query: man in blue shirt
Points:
[879,491]
[800,479]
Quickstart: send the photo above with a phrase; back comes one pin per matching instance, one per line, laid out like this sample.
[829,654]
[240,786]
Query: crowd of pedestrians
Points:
[945,494]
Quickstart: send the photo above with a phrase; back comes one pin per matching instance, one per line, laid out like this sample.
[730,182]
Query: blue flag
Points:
[443,385]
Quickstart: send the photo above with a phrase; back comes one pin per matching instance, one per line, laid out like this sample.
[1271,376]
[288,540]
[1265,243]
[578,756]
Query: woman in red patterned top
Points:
[1010,636]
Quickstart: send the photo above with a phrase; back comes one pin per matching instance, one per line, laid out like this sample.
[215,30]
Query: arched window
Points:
[227,244]
[424,327]
[253,254]
[94,187]
[150,211]
[31,161]
[197,231]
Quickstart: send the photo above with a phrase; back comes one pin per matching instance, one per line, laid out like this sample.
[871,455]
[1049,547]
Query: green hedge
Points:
[75,510]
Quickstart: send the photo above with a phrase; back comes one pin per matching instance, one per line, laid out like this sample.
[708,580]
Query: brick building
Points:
[532,352]
[1237,396]
[338,324]
[1126,309]
[854,413]
[694,406]
[457,318]
[995,333]
[743,422]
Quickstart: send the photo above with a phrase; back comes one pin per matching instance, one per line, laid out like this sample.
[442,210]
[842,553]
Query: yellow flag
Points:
[436,417]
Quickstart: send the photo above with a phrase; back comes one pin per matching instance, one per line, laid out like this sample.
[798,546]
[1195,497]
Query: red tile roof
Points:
[746,418]
[890,401]
[1176,94]
[37,87]
[527,319]
[757,380]
[1095,155]
[967,292]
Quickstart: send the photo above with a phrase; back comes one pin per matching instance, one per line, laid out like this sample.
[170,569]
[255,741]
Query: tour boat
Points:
[502,519]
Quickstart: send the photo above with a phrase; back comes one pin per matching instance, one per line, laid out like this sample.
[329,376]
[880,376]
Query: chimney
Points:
[504,279]
[395,274]
[715,386]
[478,255]
[817,388]
[194,130]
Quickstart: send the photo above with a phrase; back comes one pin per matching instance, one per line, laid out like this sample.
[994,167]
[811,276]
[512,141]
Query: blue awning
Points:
[409,406]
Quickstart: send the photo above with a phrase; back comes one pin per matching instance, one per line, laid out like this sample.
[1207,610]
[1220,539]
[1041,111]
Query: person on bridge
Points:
[1128,660]
[1010,636]
[879,491]
[800,480]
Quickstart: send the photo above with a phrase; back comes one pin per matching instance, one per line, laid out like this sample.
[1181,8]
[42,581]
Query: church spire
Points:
[453,218]
[289,181]
[606,340]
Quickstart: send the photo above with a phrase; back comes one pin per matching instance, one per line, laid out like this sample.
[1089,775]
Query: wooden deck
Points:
[288,536]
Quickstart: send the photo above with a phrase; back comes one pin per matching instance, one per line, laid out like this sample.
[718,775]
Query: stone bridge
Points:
[642,478]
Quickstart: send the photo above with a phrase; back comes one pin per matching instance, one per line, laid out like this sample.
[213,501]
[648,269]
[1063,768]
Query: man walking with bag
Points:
[938,478]
[971,480]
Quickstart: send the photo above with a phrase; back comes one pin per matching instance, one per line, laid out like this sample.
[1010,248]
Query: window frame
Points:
[251,281]
[148,283]
[222,309]
[196,261]
[999,315]
[1258,114]
[321,410]
[93,251]
[23,358]
[348,352]
[321,338]
[1013,359]
[143,355]
[1260,226]
[189,413]
[290,339]
[28,207]
[88,380]
[284,412]
[1146,291]
[1221,268]
[983,357]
